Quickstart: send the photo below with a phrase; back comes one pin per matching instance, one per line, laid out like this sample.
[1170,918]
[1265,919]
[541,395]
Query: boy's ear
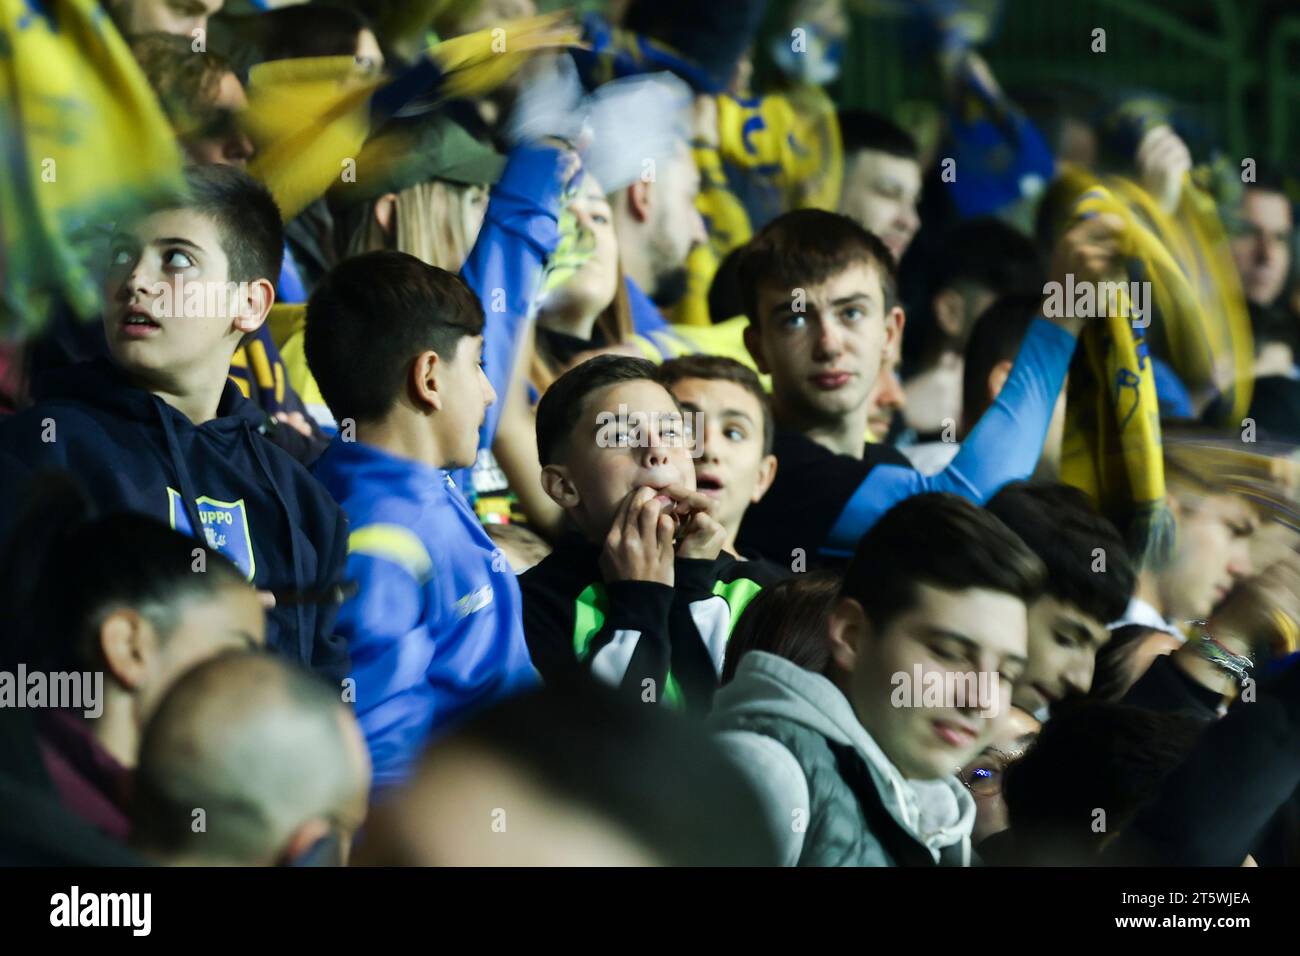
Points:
[385,213]
[127,642]
[754,343]
[847,628]
[424,381]
[639,199]
[255,307]
[766,475]
[556,483]
[895,320]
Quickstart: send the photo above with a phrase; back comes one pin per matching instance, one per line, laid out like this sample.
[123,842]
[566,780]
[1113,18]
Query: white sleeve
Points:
[778,780]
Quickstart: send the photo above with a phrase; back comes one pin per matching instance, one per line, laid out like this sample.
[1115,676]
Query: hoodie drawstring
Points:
[189,499]
[305,635]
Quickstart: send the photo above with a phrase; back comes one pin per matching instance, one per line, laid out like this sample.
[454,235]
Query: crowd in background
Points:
[453,433]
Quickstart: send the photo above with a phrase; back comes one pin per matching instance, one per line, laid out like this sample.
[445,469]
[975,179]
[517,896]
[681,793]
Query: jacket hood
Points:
[938,813]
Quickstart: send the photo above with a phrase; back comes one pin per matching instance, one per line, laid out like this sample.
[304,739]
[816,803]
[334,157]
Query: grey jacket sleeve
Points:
[778,780]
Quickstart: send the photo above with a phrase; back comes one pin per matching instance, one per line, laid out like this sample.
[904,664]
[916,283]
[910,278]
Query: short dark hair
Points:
[61,573]
[787,619]
[1062,527]
[615,761]
[725,299]
[247,218]
[719,368]
[941,540]
[864,129]
[370,316]
[806,247]
[561,406]
[989,253]
[1128,752]
[995,337]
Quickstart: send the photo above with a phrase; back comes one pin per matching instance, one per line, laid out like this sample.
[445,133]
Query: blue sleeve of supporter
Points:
[1004,446]
[646,317]
[520,230]
[391,649]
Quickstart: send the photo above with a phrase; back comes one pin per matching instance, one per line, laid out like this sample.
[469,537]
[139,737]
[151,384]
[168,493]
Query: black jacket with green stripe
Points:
[660,643]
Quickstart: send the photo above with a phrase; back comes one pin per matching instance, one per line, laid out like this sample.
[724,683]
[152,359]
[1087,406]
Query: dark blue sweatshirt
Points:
[134,452]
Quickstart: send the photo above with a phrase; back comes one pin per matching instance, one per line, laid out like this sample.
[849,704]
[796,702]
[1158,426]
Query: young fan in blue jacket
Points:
[157,428]
[435,631]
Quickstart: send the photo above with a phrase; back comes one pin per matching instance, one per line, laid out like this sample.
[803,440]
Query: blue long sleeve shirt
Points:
[520,230]
[436,629]
[821,503]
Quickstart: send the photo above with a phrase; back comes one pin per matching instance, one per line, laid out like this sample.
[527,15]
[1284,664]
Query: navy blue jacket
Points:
[134,452]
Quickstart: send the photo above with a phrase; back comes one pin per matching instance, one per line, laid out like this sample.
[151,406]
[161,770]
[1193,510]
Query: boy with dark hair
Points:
[735,465]
[158,428]
[396,348]
[821,297]
[640,595]
[927,638]
[882,178]
[1089,583]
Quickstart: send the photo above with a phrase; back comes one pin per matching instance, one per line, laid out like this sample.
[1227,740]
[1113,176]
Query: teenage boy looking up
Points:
[396,347]
[821,298]
[734,464]
[158,428]
[937,593]
[1089,583]
[639,595]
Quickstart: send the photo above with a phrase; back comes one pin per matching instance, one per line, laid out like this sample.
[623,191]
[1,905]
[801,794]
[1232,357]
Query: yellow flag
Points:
[85,142]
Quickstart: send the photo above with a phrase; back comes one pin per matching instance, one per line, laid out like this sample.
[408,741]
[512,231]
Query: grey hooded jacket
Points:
[831,794]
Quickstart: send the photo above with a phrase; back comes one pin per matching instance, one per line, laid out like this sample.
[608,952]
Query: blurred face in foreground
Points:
[469,807]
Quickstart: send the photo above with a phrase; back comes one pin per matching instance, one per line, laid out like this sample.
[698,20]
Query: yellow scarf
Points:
[1112,443]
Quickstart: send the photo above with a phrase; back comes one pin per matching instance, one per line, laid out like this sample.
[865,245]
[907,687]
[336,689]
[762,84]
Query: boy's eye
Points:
[121,255]
[734,434]
[176,259]
[946,654]
[794,321]
[853,314]
[600,220]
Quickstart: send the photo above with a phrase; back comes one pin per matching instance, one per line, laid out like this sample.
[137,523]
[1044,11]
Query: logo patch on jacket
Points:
[225,527]
[476,600]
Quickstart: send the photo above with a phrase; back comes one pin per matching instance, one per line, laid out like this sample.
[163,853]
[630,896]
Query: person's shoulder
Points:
[309,493]
[752,567]
[570,567]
